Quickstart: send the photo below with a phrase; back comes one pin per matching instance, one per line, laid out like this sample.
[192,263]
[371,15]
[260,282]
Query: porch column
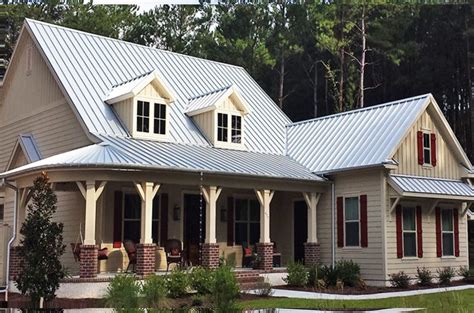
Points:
[16,262]
[210,248]
[265,246]
[146,249]
[89,249]
[311,247]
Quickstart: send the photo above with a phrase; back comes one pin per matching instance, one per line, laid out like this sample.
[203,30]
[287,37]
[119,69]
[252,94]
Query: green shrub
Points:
[297,275]
[264,289]
[329,275]
[400,280]
[424,276]
[153,290]
[464,272]
[348,272]
[314,274]
[123,292]
[201,279]
[197,300]
[445,275]
[224,290]
[177,283]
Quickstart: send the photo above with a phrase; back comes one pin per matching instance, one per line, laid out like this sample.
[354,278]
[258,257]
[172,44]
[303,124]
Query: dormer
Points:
[220,115]
[142,104]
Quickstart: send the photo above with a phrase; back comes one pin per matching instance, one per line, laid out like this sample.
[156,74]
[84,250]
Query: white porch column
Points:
[211,195]
[147,192]
[312,199]
[264,197]
[91,195]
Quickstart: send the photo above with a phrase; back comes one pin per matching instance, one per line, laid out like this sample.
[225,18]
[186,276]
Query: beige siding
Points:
[228,104]
[407,154]
[125,111]
[370,259]
[206,123]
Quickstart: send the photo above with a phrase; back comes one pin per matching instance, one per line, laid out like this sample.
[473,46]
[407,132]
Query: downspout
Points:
[12,239]
[333,226]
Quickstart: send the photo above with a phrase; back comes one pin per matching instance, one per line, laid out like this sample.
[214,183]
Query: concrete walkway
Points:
[383,295]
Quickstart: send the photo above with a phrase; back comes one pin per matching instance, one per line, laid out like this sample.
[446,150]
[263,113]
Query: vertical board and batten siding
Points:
[206,123]
[124,109]
[447,165]
[370,259]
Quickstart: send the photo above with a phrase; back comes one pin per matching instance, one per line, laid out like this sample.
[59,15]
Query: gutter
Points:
[12,239]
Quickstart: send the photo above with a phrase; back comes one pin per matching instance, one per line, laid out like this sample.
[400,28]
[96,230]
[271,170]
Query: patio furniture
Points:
[174,252]
[276,256]
[102,254]
[131,250]
[247,255]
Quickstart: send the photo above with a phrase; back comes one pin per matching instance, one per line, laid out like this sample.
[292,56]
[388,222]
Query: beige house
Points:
[147,145]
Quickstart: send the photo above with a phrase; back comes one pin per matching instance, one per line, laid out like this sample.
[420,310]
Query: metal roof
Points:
[87,66]
[121,152]
[30,147]
[432,186]
[358,138]
[205,101]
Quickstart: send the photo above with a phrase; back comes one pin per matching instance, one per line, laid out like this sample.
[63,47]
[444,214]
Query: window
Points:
[352,221]
[222,127]
[132,208]
[159,126]
[236,129]
[426,148]
[2,210]
[409,232]
[143,116]
[247,221]
[447,232]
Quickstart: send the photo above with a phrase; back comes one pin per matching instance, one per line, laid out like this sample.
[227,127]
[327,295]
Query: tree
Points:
[41,246]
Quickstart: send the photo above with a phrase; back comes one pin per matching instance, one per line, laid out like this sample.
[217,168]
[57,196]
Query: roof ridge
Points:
[210,92]
[360,110]
[29,20]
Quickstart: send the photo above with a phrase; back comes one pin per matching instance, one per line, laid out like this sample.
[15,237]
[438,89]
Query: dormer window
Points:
[222,129]
[143,116]
[236,129]
[145,124]
[159,123]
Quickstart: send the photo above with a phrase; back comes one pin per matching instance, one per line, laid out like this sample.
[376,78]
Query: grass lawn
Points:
[455,301]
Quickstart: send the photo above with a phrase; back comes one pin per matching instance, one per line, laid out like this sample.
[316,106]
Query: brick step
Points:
[247,274]
[248,286]
[244,280]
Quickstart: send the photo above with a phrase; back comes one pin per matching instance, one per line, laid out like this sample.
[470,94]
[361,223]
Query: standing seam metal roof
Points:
[417,184]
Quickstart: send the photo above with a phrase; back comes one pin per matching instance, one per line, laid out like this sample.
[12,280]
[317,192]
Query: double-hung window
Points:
[143,116]
[247,221]
[447,232]
[352,221]
[426,148]
[222,127]
[409,232]
[132,208]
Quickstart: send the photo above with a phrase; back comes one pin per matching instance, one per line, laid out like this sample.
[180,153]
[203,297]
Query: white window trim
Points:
[426,132]
[447,232]
[229,144]
[351,221]
[129,191]
[410,231]
[248,198]
[150,134]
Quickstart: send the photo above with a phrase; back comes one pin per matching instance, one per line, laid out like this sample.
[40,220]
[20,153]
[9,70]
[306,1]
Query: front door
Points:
[300,226]
[194,226]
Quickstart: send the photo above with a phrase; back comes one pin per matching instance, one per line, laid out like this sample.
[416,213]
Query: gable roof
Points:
[29,147]
[87,67]
[362,138]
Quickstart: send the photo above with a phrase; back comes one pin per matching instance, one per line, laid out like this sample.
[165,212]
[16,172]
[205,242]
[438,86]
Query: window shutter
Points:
[456,231]
[433,149]
[340,222]
[419,137]
[399,231]
[230,221]
[363,221]
[164,219]
[439,252]
[419,231]
[118,198]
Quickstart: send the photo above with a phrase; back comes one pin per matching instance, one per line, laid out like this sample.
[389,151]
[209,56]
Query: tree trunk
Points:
[315,90]
[282,81]
[341,61]
[362,60]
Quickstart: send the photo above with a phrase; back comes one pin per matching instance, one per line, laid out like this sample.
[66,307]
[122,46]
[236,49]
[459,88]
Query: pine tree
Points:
[41,245]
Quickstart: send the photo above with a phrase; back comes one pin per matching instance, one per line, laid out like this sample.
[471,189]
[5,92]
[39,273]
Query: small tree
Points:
[41,245]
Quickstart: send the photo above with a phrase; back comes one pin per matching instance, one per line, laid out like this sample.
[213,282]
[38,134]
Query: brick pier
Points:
[146,254]
[88,264]
[311,253]
[265,256]
[15,263]
[210,255]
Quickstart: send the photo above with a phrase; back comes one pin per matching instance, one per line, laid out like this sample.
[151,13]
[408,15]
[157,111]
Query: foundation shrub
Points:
[424,276]
[264,289]
[314,274]
[123,293]
[153,290]
[400,280]
[348,272]
[177,283]
[225,290]
[445,275]
[297,275]
[465,272]
[201,279]
[329,275]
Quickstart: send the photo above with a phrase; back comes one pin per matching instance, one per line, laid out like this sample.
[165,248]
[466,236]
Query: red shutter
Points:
[399,231]
[164,219]
[118,198]
[456,232]
[340,222]
[230,221]
[433,149]
[419,231]
[439,251]
[419,137]
[363,221]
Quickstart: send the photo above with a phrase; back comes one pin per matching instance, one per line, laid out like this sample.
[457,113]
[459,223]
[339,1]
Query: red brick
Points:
[311,253]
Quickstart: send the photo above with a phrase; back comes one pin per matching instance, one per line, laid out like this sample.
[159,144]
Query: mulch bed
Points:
[368,290]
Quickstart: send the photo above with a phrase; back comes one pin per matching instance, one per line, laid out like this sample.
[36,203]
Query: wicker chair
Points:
[174,252]
[131,250]
[102,254]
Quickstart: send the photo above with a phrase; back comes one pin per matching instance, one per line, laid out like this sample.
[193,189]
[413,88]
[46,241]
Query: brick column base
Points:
[210,255]
[88,264]
[311,253]
[265,256]
[16,263]
[145,259]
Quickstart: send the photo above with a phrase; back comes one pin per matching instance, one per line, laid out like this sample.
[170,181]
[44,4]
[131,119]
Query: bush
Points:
[197,300]
[348,272]
[329,275]
[264,289]
[224,290]
[445,275]
[424,276]
[201,279]
[123,292]
[153,290]
[400,280]
[464,272]
[314,274]
[297,275]
[177,283]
